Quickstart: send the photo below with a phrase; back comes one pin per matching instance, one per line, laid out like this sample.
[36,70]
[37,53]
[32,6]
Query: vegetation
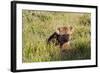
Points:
[39,25]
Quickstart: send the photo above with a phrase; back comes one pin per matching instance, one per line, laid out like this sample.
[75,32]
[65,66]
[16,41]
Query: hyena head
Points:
[65,30]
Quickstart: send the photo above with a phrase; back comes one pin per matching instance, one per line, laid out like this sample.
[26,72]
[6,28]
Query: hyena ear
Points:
[71,28]
[58,30]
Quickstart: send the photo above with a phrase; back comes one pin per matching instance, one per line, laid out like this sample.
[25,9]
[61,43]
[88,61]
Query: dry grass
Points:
[39,25]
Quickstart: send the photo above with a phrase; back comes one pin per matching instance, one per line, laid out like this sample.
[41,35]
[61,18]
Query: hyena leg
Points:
[66,46]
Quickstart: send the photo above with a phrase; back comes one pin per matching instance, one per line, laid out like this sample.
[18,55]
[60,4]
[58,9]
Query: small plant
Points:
[85,20]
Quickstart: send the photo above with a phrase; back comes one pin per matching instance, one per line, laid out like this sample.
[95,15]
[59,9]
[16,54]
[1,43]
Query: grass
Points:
[39,25]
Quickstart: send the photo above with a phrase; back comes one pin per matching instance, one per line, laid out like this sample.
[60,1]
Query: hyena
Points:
[62,37]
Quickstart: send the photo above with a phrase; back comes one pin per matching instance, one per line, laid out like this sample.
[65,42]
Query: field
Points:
[39,25]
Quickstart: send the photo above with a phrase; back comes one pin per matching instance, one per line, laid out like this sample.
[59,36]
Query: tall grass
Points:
[39,25]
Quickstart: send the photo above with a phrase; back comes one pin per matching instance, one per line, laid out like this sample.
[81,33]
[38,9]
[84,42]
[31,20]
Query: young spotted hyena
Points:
[62,37]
